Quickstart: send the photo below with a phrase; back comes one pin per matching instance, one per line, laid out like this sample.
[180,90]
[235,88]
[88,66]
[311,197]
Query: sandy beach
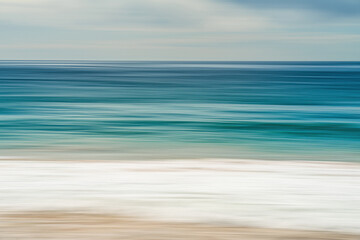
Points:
[77,226]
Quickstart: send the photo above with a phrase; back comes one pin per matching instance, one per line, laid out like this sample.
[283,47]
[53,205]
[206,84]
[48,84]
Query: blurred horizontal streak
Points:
[66,225]
[274,194]
[262,110]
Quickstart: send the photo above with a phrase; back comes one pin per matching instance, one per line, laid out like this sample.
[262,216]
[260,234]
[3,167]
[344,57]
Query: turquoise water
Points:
[107,110]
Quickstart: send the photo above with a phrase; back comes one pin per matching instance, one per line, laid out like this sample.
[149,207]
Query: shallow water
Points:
[142,110]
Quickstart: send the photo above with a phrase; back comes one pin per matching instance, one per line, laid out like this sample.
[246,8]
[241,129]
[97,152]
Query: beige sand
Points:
[77,226]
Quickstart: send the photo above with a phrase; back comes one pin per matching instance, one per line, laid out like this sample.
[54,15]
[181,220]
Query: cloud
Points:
[178,29]
[154,15]
[337,8]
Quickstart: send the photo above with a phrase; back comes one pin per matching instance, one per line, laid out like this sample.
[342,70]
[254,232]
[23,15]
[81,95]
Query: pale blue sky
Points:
[180,29]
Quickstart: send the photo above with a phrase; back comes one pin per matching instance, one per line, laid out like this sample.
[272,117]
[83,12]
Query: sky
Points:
[225,30]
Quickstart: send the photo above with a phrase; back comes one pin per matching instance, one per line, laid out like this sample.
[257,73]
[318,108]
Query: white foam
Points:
[303,195]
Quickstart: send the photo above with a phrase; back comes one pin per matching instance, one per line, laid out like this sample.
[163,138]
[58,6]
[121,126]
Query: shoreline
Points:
[72,225]
[313,196]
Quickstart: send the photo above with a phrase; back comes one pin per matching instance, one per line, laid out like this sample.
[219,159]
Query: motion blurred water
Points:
[273,194]
[192,111]
[107,110]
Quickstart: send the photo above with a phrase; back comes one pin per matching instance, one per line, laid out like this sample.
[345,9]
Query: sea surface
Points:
[112,110]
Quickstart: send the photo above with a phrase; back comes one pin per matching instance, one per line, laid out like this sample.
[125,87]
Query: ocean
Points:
[262,144]
[113,110]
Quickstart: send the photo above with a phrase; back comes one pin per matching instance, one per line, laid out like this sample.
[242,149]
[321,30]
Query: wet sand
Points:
[78,226]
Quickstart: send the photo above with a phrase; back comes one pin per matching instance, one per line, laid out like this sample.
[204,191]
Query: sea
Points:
[110,110]
[267,144]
